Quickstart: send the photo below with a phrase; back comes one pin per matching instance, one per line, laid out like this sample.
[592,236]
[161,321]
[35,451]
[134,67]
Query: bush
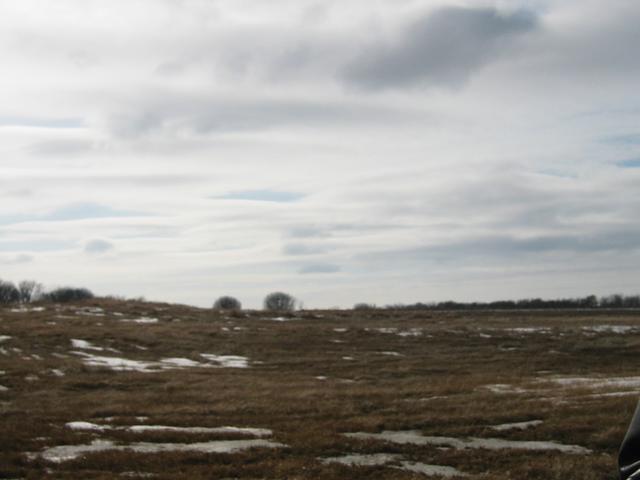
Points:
[68,294]
[227,303]
[364,306]
[8,293]
[280,302]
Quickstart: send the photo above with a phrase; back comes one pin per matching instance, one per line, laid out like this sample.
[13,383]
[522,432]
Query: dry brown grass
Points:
[438,384]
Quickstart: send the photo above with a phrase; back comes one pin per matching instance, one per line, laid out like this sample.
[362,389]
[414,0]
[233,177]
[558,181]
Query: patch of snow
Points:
[58,373]
[367,460]
[414,332]
[416,438]
[340,330]
[84,345]
[3,388]
[502,388]
[32,378]
[27,309]
[619,329]
[391,354]
[347,358]
[528,330]
[227,361]
[91,312]
[119,364]
[4,351]
[429,470]
[614,394]
[516,426]
[485,335]
[320,377]
[279,319]
[142,320]
[70,452]
[4,338]
[182,363]
[85,426]
[596,382]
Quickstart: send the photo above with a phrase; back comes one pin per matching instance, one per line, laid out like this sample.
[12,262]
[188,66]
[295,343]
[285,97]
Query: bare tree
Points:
[30,291]
[227,303]
[8,293]
[279,301]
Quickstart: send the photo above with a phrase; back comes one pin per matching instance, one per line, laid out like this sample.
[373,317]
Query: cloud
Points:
[40,122]
[263,196]
[445,47]
[319,268]
[304,249]
[16,260]
[98,246]
[82,211]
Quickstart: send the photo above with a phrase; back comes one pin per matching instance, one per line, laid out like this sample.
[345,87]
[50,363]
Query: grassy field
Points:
[320,385]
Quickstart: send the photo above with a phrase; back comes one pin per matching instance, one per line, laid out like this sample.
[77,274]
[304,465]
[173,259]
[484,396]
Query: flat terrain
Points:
[110,389]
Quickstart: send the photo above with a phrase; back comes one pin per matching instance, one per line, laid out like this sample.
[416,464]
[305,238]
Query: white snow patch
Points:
[84,345]
[256,432]
[65,453]
[4,338]
[27,309]
[414,437]
[619,329]
[227,361]
[347,358]
[85,426]
[58,373]
[516,425]
[320,377]
[3,388]
[595,382]
[278,319]
[502,388]
[528,330]
[142,320]
[367,460]
[340,330]
[414,332]
[182,363]
[119,364]
[391,354]
[426,469]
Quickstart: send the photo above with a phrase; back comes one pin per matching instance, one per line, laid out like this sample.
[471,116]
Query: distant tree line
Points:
[590,301]
[29,291]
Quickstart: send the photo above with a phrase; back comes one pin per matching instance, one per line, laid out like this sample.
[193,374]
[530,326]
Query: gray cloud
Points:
[319,268]
[17,259]
[304,249]
[184,113]
[98,246]
[443,48]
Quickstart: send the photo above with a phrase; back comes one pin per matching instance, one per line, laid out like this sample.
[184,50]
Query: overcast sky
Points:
[343,151]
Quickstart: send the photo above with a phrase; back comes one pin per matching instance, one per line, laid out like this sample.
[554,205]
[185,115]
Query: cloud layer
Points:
[343,151]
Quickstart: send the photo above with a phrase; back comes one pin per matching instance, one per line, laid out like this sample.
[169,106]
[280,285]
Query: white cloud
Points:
[221,147]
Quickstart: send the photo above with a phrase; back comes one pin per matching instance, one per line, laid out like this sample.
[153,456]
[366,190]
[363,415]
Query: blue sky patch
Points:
[631,163]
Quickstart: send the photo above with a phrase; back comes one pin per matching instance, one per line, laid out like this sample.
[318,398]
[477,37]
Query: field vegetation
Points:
[148,390]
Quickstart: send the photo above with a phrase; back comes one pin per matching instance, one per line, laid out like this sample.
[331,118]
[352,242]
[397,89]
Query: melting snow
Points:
[621,329]
[57,373]
[69,452]
[4,338]
[141,320]
[123,364]
[87,426]
[516,426]
[504,388]
[340,330]
[3,388]
[228,361]
[594,382]
[84,345]
[416,438]
[440,470]
[27,309]
[368,460]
